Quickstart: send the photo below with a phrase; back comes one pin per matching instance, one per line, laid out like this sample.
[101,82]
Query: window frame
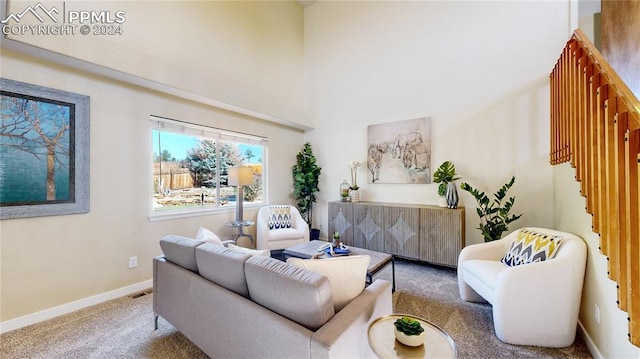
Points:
[206,132]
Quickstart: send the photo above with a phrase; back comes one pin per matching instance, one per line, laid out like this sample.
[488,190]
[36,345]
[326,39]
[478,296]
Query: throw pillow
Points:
[530,247]
[347,275]
[206,235]
[279,217]
[253,252]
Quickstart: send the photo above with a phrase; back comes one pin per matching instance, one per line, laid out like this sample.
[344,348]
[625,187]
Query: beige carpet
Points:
[432,293]
[123,328]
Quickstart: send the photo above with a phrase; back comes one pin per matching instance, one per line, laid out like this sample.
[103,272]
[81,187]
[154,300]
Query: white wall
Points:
[479,69]
[242,53]
[609,337]
[48,262]
[589,20]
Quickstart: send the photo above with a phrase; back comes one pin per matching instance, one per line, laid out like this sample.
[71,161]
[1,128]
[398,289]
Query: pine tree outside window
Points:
[190,168]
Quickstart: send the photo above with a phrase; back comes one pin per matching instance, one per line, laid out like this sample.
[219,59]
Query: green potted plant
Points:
[354,193]
[409,331]
[494,215]
[306,174]
[336,239]
[444,175]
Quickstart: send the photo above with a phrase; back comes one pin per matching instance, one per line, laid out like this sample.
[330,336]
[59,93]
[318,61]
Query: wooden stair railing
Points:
[595,124]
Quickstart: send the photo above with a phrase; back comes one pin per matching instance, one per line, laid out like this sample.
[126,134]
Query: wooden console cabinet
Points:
[427,233]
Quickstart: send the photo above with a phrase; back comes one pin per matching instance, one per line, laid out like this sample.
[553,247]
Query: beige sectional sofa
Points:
[234,305]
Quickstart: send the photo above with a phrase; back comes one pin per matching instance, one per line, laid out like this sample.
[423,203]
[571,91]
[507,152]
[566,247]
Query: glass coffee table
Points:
[382,339]
[240,225]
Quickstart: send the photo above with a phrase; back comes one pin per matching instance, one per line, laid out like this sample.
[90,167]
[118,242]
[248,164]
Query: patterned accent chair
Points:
[533,303]
[280,227]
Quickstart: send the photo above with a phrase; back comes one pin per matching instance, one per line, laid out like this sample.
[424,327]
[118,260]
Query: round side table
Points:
[240,225]
[382,339]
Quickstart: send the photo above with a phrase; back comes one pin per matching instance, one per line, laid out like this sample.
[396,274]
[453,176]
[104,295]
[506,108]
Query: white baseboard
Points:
[43,315]
[589,342]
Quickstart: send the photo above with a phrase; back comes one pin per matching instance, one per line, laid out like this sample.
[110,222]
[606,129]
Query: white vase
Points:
[410,340]
[442,202]
[354,195]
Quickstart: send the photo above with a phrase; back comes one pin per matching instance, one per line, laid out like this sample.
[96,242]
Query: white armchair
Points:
[280,238]
[533,304]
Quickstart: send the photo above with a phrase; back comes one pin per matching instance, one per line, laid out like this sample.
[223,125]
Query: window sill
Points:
[199,212]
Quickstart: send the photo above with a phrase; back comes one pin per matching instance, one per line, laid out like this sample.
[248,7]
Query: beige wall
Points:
[51,261]
[610,335]
[243,53]
[589,20]
[366,63]
[479,69]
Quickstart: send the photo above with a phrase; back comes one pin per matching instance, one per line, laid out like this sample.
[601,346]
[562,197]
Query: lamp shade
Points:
[240,176]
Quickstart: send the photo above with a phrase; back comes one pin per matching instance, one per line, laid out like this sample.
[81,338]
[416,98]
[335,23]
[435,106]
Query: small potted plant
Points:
[354,194]
[344,191]
[444,175]
[336,239]
[409,331]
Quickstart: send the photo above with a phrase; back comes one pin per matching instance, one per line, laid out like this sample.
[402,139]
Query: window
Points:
[191,163]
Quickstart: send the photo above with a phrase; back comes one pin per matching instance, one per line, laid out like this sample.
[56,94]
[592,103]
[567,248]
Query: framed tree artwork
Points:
[44,151]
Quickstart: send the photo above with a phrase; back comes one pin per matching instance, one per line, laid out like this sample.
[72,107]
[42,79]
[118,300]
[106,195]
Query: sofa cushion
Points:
[208,236]
[279,217]
[296,293]
[181,251]
[530,247]
[253,252]
[285,234]
[347,275]
[223,266]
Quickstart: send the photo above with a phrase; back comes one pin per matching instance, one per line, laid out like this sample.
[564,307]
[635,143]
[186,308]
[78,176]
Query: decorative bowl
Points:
[410,340]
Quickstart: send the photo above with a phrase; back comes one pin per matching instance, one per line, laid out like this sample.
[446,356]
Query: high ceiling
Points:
[305,3]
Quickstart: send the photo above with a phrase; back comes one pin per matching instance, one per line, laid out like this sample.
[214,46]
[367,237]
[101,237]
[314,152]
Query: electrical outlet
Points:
[597,314]
[133,262]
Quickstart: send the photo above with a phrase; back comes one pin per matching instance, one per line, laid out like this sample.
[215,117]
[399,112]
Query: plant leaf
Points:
[494,216]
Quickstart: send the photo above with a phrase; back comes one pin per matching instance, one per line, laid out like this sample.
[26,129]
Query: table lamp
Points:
[240,177]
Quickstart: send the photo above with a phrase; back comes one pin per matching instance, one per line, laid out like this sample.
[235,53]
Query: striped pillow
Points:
[530,247]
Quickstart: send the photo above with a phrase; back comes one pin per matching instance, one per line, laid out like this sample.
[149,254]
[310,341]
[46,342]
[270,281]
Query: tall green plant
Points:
[306,174]
[494,215]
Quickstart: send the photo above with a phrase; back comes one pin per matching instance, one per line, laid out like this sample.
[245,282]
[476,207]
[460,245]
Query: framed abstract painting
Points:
[44,151]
